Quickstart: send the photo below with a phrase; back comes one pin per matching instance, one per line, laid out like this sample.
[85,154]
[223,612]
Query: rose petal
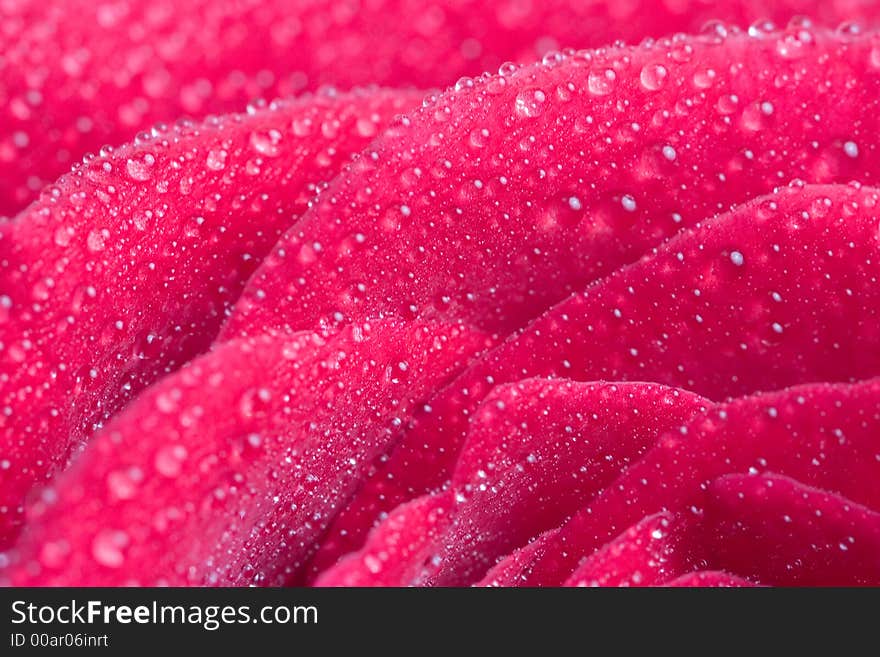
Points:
[822,435]
[396,549]
[512,570]
[646,554]
[775,529]
[228,471]
[125,269]
[503,197]
[536,452]
[764,297]
[77,74]
[709,578]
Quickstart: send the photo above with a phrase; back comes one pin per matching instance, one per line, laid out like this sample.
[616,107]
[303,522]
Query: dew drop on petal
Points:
[169,460]
[653,76]
[107,547]
[216,160]
[140,168]
[530,103]
[123,483]
[96,240]
[265,142]
[601,83]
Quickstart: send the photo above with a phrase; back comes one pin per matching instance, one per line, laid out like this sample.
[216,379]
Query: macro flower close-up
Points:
[439,293]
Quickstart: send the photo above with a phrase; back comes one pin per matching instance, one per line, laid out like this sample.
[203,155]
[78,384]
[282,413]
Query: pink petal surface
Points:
[824,436]
[778,530]
[536,452]
[124,270]
[484,347]
[228,471]
[77,74]
[398,551]
[710,579]
[646,554]
[781,291]
[511,571]
[504,196]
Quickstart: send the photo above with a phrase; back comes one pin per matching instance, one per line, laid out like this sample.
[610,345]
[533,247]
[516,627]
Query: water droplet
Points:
[653,76]
[705,78]
[601,83]
[167,402]
[140,168]
[530,102]
[123,483]
[265,142]
[761,28]
[302,127]
[851,149]
[107,547]
[96,239]
[874,56]
[629,203]
[216,160]
[366,127]
[479,137]
[507,69]
[53,554]
[737,258]
[727,104]
[63,235]
[169,460]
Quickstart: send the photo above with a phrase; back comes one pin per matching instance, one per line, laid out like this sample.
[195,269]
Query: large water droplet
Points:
[302,127]
[874,56]
[123,483]
[601,83]
[266,142]
[216,160]
[169,460]
[653,76]
[107,547]
[140,167]
[530,102]
[96,239]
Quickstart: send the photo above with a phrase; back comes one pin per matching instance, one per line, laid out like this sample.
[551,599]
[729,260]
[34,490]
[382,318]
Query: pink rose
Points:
[606,319]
